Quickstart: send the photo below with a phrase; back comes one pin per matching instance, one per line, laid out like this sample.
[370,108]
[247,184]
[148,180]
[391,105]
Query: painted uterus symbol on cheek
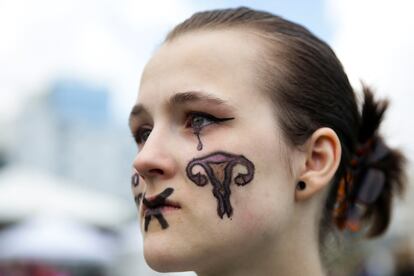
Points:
[219,170]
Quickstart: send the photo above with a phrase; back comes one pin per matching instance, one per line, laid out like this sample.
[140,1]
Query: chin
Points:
[164,254]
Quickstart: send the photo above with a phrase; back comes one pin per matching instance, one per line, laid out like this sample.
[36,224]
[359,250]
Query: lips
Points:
[154,208]
[159,203]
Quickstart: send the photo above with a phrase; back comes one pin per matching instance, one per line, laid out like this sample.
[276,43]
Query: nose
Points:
[155,159]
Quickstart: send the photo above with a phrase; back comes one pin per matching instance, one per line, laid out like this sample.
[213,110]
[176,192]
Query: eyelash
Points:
[142,133]
[190,123]
[138,135]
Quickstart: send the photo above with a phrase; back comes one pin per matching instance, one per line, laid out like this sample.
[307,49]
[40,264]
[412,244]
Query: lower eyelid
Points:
[204,130]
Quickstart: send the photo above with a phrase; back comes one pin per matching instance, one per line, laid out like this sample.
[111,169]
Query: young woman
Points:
[252,148]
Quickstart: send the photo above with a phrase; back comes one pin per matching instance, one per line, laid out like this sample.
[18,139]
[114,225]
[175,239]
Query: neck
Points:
[294,253]
[292,261]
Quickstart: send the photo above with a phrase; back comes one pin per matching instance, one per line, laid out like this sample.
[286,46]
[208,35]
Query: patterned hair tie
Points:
[352,204]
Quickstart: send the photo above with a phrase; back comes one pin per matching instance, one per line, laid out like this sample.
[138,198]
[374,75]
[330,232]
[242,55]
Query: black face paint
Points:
[197,130]
[158,215]
[218,167]
[138,199]
[135,180]
[199,145]
[134,184]
[154,208]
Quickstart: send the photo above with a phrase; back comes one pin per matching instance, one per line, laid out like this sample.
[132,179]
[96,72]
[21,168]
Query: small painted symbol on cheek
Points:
[135,180]
[137,199]
[218,168]
[134,184]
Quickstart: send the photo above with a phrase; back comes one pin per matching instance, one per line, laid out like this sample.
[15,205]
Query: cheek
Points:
[264,211]
[137,189]
[199,237]
[260,212]
[266,206]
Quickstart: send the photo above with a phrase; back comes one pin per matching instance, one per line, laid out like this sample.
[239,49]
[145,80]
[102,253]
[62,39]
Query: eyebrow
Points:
[180,99]
[194,96]
[136,111]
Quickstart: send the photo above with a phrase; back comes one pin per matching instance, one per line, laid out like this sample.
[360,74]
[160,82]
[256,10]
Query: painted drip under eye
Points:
[197,134]
[198,125]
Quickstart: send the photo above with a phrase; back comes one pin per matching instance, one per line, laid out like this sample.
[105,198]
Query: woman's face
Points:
[214,182]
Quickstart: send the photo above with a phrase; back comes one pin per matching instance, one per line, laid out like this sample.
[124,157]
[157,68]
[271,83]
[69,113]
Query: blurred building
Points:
[68,131]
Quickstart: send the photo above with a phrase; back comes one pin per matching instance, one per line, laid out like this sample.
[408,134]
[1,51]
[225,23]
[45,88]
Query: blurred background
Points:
[69,75]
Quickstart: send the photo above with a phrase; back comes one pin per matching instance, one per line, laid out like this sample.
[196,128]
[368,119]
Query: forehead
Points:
[217,61]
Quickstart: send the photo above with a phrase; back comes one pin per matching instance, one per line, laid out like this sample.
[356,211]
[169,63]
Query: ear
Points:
[323,155]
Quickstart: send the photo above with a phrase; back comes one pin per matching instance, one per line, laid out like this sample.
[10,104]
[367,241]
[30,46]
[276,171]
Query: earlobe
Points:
[323,155]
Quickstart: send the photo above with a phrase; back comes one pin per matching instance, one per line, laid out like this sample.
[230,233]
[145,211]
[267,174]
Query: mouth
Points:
[155,209]
[155,205]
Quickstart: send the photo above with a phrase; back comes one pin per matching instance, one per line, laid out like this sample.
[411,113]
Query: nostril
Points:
[156,171]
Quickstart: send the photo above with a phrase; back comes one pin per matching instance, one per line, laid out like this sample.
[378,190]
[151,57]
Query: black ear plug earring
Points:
[301,186]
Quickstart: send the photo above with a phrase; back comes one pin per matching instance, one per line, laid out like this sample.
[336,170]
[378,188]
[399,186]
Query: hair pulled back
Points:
[309,89]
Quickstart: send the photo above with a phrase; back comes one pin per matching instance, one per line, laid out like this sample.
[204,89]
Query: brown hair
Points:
[309,88]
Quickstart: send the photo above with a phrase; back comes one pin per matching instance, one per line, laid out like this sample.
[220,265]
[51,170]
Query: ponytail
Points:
[374,175]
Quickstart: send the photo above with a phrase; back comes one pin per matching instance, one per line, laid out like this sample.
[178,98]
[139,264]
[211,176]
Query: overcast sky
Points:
[108,42]
[375,42]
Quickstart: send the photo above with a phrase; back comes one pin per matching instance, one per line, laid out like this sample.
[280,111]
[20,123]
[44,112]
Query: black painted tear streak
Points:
[218,168]
[153,209]
[200,144]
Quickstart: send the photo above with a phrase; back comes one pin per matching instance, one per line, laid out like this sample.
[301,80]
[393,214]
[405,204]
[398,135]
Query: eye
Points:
[199,120]
[142,134]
